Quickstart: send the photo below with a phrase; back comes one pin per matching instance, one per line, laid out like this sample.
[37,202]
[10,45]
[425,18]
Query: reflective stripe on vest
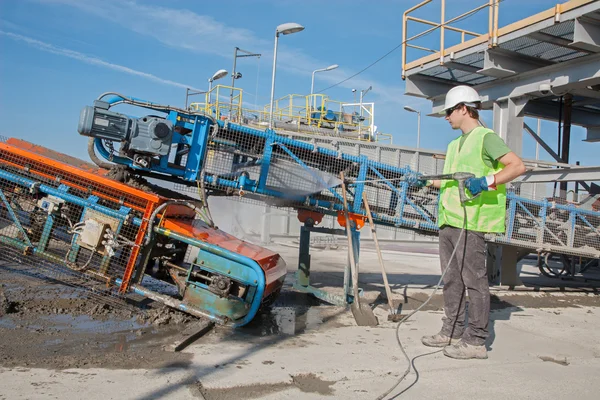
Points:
[488,211]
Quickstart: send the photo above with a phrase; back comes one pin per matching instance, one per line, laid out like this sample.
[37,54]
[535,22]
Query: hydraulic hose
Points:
[92,153]
[158,209]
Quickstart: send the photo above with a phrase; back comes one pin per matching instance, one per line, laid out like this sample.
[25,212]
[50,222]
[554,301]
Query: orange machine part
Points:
[306,215]
[50,164]
[358,219]
[268,260]
[78,174]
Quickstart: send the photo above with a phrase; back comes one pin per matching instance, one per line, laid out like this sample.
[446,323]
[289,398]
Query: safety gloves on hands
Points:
[414,179]
[478,185]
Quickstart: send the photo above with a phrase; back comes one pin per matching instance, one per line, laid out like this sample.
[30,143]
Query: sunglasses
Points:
[451,110]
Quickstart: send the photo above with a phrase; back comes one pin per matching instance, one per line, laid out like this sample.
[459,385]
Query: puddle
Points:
[284,321]
[85,324]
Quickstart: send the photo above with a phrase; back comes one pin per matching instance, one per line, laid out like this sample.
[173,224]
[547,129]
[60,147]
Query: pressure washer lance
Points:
[460,177]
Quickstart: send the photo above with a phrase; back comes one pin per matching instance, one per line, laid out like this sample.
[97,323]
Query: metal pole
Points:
[273,82]
[566,138]
[537,153]
[233,73]
[312,87]
[418,137]
[360,114]
[210,81]
[186,97]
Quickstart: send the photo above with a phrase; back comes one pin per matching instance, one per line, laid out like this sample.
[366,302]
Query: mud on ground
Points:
[49,325]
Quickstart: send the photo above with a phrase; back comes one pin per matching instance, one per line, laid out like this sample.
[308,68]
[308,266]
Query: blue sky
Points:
[59,55]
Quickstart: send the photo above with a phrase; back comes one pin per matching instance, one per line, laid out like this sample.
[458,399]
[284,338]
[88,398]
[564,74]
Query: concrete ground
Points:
[543,344]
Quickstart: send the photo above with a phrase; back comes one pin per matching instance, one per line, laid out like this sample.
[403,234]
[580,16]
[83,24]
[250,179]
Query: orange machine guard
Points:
[357,219]
[306,215]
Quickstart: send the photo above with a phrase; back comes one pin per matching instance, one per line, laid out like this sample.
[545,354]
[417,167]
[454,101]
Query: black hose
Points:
[403,320]
[94,157]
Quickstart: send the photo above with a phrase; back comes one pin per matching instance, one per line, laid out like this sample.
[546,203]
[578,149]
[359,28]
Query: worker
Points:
[482,152]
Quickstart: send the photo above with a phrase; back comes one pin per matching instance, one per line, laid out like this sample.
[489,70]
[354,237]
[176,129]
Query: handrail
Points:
[492,33]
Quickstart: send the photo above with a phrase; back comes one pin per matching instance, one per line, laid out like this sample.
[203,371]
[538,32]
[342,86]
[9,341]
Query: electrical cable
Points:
[388,53]
[403,320]
[362,70]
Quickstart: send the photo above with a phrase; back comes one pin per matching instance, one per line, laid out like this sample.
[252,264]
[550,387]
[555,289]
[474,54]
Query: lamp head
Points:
[289,28]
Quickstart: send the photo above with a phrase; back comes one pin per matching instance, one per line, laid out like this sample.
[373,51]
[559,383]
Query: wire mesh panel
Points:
[551,224]
[64,216]
[303,172]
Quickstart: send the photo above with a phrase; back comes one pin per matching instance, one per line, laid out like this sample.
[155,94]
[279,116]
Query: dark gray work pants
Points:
[467,271]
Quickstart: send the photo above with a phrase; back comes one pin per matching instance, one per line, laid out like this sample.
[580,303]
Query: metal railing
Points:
[222,102]
[444,25]
[315,113]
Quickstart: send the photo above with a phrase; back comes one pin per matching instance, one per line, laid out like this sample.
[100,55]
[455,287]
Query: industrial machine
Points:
[107,225]
[74,222]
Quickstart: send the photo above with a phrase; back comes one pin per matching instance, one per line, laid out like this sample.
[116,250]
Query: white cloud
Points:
[49,48]
[178,28]
[187,30]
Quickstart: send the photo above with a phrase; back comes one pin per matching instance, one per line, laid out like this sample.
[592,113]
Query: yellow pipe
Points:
[497,11]
[404,30]
[442,32]
[491,18]
[423,21]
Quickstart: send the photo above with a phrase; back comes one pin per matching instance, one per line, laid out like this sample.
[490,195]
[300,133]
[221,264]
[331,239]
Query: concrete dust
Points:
[307,383]
[499,301]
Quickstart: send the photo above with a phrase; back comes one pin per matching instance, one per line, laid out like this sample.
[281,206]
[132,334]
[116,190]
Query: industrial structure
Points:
[106,227]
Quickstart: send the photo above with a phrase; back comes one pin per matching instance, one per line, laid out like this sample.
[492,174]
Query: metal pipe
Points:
[446,23]
[490,20]
[404,30]
[566,138]
[442,32]
[171,302]
[497,11]
[421,48]
[423,21]
[31,184]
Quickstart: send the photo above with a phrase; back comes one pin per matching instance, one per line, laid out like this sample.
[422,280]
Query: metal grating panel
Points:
[563,29]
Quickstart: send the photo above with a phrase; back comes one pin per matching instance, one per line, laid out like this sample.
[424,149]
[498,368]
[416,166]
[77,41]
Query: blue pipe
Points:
[171,302]
[31,184]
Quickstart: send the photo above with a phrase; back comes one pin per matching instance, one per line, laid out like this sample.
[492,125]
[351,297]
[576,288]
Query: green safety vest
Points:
[487,212]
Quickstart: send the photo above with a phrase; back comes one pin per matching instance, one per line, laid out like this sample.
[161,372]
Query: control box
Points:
[92,235]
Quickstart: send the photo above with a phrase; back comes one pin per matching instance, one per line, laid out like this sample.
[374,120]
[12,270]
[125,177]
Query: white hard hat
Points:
[461,94]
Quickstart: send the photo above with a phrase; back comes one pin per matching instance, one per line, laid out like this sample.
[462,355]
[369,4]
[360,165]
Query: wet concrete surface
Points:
[55,342]
[49,325]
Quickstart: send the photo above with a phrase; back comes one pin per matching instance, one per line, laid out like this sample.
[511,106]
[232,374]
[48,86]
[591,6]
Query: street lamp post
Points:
[312,83]
[218,75]
[237,75]
[189,92]
[410,109]
[284,29]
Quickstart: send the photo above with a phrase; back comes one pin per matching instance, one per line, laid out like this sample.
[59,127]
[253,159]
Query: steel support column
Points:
[508,122]
[566,138]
